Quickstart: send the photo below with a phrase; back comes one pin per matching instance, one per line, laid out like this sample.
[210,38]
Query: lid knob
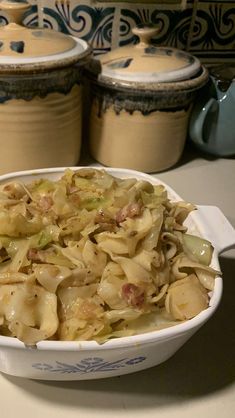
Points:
[145,33]
[15,9]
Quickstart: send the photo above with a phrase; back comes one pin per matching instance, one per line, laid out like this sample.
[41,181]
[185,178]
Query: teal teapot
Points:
[212,123]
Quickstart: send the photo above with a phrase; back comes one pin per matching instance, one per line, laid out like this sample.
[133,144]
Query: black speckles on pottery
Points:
[145,102]
[27,87]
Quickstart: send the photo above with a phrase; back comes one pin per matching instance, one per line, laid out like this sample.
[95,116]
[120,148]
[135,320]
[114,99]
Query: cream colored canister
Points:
[146,143]
[142,97]
[40,94]
[42,132]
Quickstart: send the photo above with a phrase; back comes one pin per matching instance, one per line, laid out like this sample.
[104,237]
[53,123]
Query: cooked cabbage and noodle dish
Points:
[93,257]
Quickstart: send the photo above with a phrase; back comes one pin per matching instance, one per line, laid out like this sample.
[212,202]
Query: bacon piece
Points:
[35,255]
[133,295]
[129,211]
[75,198]
[45,203]
[72,189]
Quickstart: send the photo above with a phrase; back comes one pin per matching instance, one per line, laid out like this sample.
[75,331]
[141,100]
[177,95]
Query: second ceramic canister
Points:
[141,101]
[40,94]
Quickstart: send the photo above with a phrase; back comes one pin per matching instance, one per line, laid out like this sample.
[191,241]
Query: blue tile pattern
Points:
[213,34]
[173,25]
[88,365]
[30,17]
[214,30]
[3,20]
[93,24]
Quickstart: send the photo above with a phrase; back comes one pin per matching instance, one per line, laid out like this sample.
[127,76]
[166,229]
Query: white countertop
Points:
[199,381]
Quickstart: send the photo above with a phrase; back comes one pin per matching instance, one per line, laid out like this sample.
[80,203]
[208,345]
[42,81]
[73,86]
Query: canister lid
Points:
[147,63]
[27,48]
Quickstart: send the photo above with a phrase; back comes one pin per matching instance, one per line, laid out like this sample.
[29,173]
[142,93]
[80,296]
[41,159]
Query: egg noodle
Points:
[94,257]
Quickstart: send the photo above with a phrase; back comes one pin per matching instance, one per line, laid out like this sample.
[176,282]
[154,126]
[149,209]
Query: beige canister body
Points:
[41,74]
[149,143]
[142,96]
[41,132]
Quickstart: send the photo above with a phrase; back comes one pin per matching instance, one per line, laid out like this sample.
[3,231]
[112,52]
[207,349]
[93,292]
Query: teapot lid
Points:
[224,75]
[147,63]
[27,48]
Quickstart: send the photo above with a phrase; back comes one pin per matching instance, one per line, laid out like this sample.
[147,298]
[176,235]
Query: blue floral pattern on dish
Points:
[88,365]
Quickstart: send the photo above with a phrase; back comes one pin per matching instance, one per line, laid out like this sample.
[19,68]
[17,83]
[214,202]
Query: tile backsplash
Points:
[214,30]
[204,27]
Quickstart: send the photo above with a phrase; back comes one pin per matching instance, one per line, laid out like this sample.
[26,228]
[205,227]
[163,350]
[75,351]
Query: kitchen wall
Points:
[204,27]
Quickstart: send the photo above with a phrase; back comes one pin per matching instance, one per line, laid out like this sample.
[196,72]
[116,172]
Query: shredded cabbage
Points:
[93,257]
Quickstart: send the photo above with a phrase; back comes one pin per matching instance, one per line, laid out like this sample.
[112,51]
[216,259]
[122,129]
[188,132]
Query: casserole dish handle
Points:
[218,229]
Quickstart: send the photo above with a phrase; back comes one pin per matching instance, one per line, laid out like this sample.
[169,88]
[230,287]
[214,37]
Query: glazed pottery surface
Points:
[42,132]
[41,75]
[141,102]
[141,142]
[212,125]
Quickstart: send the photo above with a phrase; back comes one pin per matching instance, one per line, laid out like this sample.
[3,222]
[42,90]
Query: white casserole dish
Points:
[55,360]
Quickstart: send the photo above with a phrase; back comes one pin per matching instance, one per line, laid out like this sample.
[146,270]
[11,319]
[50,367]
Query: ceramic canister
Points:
[40,94]
[141,102]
